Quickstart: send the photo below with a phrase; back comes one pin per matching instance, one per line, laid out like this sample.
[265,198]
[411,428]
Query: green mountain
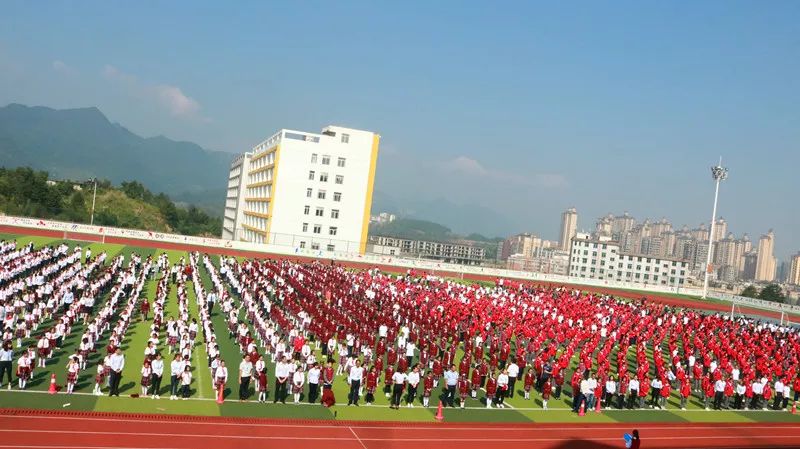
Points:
[82,143]
[26,192]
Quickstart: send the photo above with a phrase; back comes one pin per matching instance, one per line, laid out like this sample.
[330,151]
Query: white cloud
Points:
[174,99]
[62,67]
[170,98]
[467,166]
[463,165]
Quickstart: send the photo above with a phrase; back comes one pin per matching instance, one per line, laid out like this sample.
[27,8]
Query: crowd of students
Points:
[412,329]
[413,336]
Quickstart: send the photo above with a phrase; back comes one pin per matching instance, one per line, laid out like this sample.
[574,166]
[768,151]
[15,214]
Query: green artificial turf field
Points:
[202,401]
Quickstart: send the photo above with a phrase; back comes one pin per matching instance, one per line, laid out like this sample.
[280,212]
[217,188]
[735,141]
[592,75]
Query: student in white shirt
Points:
[413,381]
[513,373]
[298,380]
[175,370]
[313,383]
[398,382]
[245,373]
[157,365]
[502,388]
[186,381]
[282,372]
[354,379]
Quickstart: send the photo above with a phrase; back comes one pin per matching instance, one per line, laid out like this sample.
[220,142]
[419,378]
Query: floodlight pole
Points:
[94,199]
[718,173]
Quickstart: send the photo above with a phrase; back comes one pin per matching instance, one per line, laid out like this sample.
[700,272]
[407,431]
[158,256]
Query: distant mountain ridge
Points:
[82,143]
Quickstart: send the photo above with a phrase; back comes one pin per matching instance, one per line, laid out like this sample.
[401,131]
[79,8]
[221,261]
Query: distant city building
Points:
[569,226]
[660,239]
[382,218]
[323,193]
[450,252]
[602,258]
[605,226]
[550,261]
[750,262]
[794,270]
[621,224]
[766,263]
[720,229]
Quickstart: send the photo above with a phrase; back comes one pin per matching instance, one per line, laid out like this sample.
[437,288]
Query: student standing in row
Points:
[354,379]
[117,363]
[313,383]
[186,381]
[157,366]
[245,373]
[282,371]
[175,369]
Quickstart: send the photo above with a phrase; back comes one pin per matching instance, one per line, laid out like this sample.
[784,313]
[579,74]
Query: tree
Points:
[750,291]
[772,292]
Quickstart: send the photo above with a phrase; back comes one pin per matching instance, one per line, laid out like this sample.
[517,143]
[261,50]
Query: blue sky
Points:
[518,110]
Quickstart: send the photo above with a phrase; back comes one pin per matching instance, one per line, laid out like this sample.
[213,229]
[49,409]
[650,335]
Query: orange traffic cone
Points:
[220,395]
[53,388]
[794,408]
[597,408]
[439,415]
[582,410]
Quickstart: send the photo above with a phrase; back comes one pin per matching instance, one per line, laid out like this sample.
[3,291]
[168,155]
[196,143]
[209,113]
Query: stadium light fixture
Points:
[718,174]
[94,198]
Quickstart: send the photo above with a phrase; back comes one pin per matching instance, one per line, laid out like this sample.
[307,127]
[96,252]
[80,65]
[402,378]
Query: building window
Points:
[326,159]
[311,175]
[306,210]
[345,138]
[334,213]
[305,227]
[332,230]
[337,196]
[339,179]
[314,245]
[308,192]
[321,194]
[317,229]
[302,245]
[320,212]
[314,158]
[340,162]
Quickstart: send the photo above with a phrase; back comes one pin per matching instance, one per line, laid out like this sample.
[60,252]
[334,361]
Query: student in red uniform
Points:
[145,308]
[546,390]
[372,385]
[427,388]
[491,389]
[796,387]
[263,383]
[686,390]
[463,389]
[328,399]
[529,379]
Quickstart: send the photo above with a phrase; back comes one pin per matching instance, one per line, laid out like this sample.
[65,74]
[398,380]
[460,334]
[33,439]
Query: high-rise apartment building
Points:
[622,224]
[304,190]
[766,263]
[569,227]
[720,229]
[794,270]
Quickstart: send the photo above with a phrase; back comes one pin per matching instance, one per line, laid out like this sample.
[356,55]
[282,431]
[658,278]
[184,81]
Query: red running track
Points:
[668,300]
[91,430]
